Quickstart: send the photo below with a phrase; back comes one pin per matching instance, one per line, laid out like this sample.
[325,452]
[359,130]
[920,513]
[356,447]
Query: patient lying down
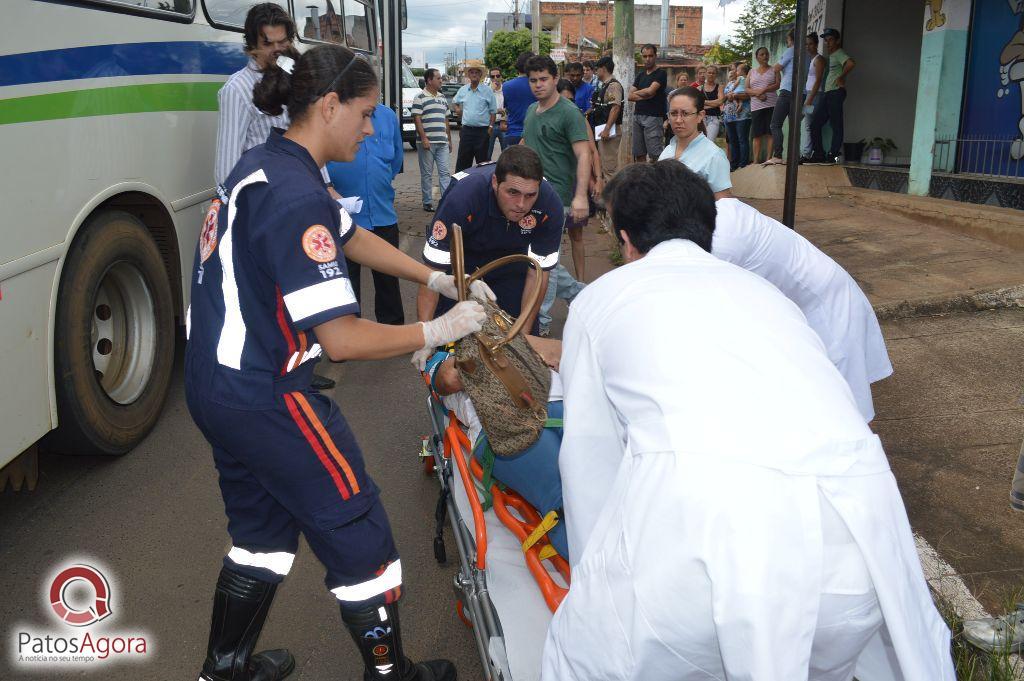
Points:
[533,473]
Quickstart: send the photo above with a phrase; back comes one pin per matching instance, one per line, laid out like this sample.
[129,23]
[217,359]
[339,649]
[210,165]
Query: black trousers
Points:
[782,107]
[387,299]
[828,109]
[473,142]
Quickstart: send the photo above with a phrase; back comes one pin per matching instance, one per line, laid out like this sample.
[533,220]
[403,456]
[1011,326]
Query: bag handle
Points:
[459,270]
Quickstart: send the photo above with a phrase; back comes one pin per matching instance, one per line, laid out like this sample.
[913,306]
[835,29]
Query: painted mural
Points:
[993,120]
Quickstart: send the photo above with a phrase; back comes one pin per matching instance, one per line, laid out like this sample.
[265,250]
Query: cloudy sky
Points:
[437,27]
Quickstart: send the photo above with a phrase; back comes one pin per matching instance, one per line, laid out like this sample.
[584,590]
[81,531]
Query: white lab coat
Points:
[829,297]
[704,428]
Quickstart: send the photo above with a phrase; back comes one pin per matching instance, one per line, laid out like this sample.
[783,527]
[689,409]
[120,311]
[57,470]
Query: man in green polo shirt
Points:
[830,108]
[557,131]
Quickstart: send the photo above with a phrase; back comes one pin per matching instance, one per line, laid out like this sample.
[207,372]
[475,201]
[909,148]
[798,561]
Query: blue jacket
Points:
[518,98]
[369,176]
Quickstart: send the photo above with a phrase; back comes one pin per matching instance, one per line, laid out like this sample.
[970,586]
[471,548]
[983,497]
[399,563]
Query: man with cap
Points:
[830,110]
[477,107]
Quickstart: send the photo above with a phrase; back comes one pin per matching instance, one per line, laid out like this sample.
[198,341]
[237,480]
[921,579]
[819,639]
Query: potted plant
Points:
[877,148]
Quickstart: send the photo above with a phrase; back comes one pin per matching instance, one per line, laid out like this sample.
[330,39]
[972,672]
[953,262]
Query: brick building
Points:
[564,21]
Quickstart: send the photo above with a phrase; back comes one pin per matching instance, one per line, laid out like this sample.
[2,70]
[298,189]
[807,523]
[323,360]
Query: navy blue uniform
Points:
[269,268]
[488,235]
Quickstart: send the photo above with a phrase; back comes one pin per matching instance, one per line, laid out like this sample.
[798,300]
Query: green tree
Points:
[506,46]
[756,15]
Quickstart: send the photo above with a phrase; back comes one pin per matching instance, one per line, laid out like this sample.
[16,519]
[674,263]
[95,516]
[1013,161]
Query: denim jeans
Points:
[561,284]
[739,142]
[828,110]
[782,107]
[806,147]
[500,137]
[438,154]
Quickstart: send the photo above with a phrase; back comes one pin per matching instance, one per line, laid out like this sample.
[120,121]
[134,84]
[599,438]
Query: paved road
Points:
[154,520]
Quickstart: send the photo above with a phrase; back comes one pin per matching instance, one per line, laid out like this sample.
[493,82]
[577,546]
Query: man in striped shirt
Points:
[430,112]
[268,31]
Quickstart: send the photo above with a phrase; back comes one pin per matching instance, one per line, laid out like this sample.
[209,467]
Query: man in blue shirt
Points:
[584,90]
[476,105]
[784,103]
[518,98]
[368,179]
[503,209]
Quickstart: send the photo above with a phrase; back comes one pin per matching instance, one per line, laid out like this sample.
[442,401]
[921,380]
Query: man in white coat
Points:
[730,515]
[828,296]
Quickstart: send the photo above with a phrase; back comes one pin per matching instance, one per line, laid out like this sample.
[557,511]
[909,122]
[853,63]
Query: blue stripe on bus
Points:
[124,59]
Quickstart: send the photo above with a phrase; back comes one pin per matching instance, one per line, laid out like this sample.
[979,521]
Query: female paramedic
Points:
[270,293]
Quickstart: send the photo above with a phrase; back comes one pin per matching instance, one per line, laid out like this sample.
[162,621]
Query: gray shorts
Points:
[648,136]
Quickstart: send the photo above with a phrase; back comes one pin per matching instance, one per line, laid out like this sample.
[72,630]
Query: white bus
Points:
[108,116]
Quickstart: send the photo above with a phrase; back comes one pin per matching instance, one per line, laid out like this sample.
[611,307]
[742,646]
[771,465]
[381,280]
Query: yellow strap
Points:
[548,552]
[549,521]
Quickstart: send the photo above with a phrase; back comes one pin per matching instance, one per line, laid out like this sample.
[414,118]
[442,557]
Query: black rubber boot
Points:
[378,635]
[240,607]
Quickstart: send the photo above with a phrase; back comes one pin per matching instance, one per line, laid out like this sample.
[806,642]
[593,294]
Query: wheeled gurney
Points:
[504,593]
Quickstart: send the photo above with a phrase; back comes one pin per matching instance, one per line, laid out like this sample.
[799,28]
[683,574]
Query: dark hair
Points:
[265,14]
[494,68]
[539,63]
[649,46]
[429,73]
[521,161]
[656,202]
[758,51]
[589,64]
[323,69]
[791,33]
[574,66]
[813,35]
[564,84]
[696,94]
[606,63]
[521,61]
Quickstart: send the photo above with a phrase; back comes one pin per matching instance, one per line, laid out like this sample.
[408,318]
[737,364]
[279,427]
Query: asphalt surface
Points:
[153,522]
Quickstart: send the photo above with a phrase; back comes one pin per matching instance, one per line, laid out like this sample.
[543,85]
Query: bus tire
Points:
[114,338]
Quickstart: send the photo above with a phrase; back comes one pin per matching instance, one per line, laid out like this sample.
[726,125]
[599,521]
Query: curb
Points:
[992,299]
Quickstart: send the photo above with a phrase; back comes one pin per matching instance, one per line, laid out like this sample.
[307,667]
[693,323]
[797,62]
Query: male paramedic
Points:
[730,515]
[503,208]
[270,293]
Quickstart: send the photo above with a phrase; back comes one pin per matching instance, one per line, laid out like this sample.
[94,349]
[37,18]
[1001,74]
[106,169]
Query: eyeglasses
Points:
[682,114]
[495,76]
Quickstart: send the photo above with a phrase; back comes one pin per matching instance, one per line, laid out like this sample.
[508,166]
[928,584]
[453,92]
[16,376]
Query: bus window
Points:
[231,13]
[319,20]
[358,25]
[176,6]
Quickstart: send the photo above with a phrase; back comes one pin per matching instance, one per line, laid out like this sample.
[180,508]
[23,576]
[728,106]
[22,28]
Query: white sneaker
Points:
[993,634]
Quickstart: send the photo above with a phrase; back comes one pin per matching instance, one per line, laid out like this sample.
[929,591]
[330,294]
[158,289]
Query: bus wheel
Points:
[114,338]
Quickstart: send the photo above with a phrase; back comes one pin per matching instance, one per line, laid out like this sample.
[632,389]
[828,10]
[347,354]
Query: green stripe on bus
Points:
[108,101]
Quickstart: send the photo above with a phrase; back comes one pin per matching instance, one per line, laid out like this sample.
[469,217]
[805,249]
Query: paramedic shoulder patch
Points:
[529,222]
[208,234]
[439,232]
[318,244]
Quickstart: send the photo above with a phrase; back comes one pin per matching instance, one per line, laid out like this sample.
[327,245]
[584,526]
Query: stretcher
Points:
[503,592]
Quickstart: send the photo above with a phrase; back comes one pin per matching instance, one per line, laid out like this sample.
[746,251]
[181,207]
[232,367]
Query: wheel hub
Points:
[123,333]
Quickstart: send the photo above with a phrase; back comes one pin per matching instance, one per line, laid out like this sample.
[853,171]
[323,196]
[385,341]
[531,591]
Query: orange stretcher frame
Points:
[507,504]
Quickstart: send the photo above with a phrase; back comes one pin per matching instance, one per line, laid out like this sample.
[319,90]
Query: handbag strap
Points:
[462,283]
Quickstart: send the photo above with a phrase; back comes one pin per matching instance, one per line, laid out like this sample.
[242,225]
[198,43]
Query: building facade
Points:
[588,27]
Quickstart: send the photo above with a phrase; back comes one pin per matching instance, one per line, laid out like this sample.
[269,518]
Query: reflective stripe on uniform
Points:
[298,358]
[232,334]
[326,295]
[390,579]
[436,255]
[278,562]
[545,261]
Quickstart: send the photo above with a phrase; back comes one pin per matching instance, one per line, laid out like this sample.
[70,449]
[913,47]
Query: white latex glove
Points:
[442,283]
[465,318]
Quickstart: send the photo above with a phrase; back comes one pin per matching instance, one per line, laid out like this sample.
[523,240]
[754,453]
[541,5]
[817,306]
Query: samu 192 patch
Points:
[439,232]
[318,244]
[529,222]
[208,234]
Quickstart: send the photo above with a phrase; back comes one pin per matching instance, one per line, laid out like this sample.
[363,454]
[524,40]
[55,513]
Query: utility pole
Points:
[535,12]
[796,112]
[579,39]
[515,15]
[664,26]
[625,65]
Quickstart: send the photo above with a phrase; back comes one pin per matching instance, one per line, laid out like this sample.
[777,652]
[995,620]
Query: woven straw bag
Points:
[503,375]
